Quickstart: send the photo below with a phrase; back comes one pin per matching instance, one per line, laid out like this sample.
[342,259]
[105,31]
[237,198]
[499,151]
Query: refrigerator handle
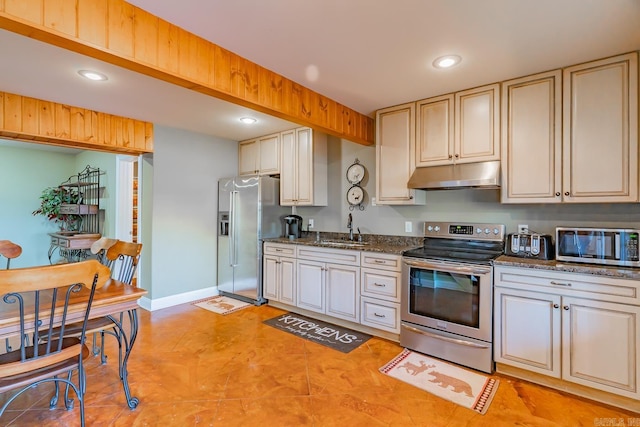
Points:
[232,229]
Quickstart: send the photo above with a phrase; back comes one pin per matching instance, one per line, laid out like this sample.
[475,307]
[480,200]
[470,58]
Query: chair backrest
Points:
[45,300]
[122,258]
[9,250]
[100,247]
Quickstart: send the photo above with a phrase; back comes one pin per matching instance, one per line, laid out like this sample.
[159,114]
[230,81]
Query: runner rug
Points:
[458,385]
[332,336]
[221,304]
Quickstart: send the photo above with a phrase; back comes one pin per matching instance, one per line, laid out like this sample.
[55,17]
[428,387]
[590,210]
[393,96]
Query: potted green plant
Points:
[50,201]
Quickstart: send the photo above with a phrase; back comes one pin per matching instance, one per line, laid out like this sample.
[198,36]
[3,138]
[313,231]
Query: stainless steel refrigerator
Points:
[249,210]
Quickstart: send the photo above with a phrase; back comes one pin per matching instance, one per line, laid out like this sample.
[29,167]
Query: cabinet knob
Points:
[566,193]
[410,197]
[379,315]
[557,194]
[380,285]
[457,156]
[556,305]
[450,157]
[566,307]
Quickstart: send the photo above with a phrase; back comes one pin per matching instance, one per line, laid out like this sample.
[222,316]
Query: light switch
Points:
[310,223]
[408,226]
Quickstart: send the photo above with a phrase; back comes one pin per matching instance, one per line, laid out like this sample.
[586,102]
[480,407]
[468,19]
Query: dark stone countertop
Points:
[394,245]
[569,267]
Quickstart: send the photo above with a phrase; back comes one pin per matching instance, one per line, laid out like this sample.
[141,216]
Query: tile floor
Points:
[194,367]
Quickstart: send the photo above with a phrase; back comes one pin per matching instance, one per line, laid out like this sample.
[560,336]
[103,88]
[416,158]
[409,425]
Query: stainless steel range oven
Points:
[447,293]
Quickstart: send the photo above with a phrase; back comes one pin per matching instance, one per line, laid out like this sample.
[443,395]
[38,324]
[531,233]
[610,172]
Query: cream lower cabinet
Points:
[583,329]
[360,287]
[329,282]
[279,273]
[380,291]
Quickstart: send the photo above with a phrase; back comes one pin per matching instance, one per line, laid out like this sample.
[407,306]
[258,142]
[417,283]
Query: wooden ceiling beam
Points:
[124,35]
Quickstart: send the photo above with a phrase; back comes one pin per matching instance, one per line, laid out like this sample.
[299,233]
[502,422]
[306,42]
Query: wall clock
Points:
[355,197]
[355,193]
[355,173]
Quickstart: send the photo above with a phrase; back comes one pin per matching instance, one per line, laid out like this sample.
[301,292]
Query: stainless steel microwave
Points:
[609,246]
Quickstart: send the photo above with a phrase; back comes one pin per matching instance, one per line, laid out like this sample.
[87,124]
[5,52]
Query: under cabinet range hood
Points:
[465,175]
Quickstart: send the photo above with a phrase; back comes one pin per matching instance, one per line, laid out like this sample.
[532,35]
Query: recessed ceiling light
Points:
[93,75]
[447,61]
[248,120]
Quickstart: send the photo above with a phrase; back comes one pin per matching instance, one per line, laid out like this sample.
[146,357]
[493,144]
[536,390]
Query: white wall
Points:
[186,169]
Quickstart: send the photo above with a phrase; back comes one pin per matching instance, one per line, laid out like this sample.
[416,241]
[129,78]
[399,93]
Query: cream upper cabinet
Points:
[531,157]
[303,175]
[458,128]
[434,127]
[477,124]
[600,137]
[395,145]
[260,156]
[248,157]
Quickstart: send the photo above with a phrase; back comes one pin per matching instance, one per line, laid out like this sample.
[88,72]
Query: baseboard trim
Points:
[170,301]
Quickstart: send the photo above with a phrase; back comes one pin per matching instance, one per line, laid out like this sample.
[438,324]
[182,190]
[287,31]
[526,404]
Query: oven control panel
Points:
[479,231]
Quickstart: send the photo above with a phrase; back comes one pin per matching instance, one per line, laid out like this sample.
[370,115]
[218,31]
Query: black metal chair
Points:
[44,300]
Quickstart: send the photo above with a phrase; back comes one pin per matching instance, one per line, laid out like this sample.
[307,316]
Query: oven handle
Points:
[440,337]
[447,268]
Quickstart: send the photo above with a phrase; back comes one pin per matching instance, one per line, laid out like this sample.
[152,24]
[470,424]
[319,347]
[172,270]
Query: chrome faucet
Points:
[350,227]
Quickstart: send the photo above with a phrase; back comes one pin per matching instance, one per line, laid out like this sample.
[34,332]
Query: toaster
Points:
[529,245]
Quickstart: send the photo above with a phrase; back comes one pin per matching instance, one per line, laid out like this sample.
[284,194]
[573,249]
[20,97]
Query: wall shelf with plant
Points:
[74,206]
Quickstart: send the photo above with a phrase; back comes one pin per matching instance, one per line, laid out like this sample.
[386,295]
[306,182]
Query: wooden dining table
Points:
[111,299]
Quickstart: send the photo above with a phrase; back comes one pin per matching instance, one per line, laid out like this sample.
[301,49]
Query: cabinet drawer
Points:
[337,256]
[279,249]
[72,209]
[54,240]
[380,284]
[64,243]
[589,286]
[380,314]
[382,261]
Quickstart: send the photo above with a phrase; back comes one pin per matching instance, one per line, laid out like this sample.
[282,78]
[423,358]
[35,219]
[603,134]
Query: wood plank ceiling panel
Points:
[119,33]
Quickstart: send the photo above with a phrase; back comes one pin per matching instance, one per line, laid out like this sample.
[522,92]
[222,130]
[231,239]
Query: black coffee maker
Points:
[292,225]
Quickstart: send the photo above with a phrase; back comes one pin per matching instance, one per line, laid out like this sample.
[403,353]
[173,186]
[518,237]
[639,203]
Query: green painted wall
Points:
[25,170]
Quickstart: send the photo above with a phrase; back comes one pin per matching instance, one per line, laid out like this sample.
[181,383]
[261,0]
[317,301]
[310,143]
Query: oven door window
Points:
[447,296]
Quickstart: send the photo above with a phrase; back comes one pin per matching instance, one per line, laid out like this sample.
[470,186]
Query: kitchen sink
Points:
[342,243]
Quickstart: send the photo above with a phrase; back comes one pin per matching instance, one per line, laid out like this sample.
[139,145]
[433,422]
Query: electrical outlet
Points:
[408,226]
[523,228]
[310,223]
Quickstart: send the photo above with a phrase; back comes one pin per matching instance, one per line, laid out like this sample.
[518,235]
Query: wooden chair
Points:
[41,299]
[100,246]
[9,250]
[122,259]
